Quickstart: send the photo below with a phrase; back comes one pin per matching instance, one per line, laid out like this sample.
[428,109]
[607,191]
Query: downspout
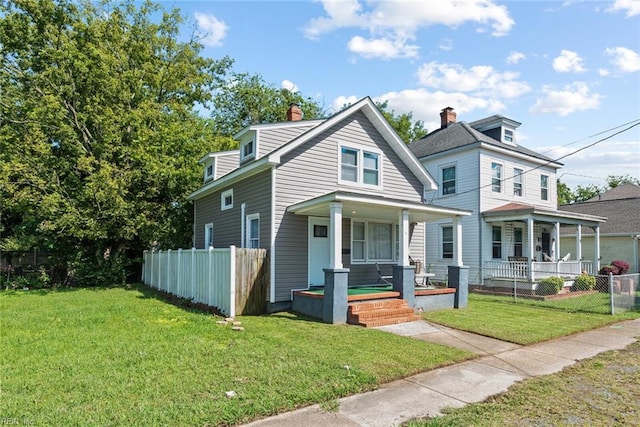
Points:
[635,253]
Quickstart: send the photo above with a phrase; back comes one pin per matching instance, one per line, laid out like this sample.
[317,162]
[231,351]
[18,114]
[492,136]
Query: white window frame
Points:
[443,242]
[518,175]
[497,242]
[499,177]
[544,189]
[249,237]
[367,242]
[455,179]
[243,146]
[208,235]
[509,139]
[360,153]
[209,175]
[223,200]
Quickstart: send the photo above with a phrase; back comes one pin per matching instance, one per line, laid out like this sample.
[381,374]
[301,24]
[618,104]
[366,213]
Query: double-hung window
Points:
[248,150]
[208,235]
[496,177]
[448,180]
[447,242]
[373,241]
[496,245]
[360,166]
[517,182]
[208,172]
[253,231]
[517,241]
[544,187]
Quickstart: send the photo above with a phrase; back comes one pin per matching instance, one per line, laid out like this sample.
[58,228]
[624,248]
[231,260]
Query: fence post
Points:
[179,273]
[168,284]
[209,274]
[193,273]
[232,281]
[611,293]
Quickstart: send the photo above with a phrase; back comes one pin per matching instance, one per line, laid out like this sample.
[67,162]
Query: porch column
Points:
[335,235]
[579,243]
[596,239]
[532,249]
[457,241]
[557,245]
[403,220]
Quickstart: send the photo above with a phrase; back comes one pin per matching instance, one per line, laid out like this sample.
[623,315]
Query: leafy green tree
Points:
[246,99]
[615,180]
[565,195]
[583,193]
[404,125]
[99,135]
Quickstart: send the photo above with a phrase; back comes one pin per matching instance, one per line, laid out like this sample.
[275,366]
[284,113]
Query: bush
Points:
[606,269]
[622,266]
[584,283]
[550,285]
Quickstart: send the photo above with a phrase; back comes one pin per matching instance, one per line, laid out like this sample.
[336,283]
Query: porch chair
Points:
[383,279]
[566,257]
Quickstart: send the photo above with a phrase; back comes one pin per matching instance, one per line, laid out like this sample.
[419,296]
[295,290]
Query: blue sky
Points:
[567,71]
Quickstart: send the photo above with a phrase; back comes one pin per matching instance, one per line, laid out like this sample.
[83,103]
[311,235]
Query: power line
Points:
[635,123]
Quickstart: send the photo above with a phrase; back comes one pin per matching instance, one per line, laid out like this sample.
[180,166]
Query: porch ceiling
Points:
[521,212]
[373,207]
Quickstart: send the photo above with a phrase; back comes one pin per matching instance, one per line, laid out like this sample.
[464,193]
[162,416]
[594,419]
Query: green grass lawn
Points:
[601,391]
[125,357]
[520,323]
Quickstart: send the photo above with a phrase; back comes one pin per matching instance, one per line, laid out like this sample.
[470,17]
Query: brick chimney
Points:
[294,113]
[447,117]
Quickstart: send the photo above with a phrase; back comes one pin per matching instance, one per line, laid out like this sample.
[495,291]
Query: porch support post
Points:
[596,240]
[335,299]
[457,241]
[403,220]
[404,277]
[459,279]
[579,243]
[335,235]
[530,240]
[557,244]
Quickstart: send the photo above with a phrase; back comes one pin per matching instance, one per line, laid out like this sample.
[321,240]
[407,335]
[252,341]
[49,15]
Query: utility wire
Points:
[635,123]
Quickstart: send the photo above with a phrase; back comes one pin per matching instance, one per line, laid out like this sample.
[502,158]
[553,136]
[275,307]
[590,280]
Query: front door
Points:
[318,249]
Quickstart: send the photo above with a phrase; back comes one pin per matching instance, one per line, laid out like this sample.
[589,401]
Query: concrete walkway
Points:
[425,395]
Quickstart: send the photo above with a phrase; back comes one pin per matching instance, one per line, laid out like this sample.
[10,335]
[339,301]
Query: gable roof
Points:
[461,135]
[620,205]
[367,106]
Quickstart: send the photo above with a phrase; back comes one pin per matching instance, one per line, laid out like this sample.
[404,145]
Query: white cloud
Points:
[446,44]
[426,106]
[603,72]
[626,60]
[515,57]
[478,80]
[568,61]
[342,101]
[632,7]
[398,21]
[289,85]
[382,48]
[211,29]
[572,98]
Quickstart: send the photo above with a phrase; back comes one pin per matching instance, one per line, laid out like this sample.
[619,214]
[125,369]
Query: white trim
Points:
[218,154]
[367,260]
[501,179]
[243,210]
[272,237]
[441,169]
[547,188]
[223,200]
[254,147]
[522,183]
[335,235]
[441,242]
[209,176]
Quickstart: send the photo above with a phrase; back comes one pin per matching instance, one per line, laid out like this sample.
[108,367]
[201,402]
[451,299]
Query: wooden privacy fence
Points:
[233,280]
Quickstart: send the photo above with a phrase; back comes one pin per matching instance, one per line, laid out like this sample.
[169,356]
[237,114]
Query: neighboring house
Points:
[322,196]
[511,190]
[620,235]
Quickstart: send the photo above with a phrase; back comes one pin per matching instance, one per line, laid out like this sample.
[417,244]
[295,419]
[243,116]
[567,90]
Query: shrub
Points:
[584,283]
[550,285]
[622,266]
[606,269]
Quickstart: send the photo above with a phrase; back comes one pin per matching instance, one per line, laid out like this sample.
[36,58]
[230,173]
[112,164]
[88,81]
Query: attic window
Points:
[208,172]
[247,151]
[508,135]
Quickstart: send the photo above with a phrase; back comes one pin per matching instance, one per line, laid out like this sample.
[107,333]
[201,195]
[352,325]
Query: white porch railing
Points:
[203,275]
[535,270]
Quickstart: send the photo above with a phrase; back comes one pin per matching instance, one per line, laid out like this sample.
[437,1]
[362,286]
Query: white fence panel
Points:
[203,276]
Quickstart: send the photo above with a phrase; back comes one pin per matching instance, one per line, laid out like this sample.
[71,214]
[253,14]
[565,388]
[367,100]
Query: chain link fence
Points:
[612,294]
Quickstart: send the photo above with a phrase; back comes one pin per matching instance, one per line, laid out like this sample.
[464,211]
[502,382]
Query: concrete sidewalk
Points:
[425,395]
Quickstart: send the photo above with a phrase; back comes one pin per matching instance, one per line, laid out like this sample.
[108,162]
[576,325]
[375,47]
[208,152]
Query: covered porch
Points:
[525,243]
[382,231]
